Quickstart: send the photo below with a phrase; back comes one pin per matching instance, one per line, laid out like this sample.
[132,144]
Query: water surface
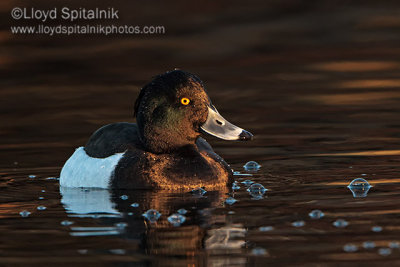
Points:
[317,84]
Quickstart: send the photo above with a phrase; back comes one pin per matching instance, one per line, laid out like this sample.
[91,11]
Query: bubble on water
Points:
[266,228]
[41,198]
[298,223]
[350,248]
[41,208]
[340,223]
[121,225]
[52,178]
[82,251]
[363,174]
[43,191]
[182,211]
[251,166]
[376,229]
[258,189]
[130,213]
[385,251]
[118,251]
[66,223]
[124,197]
[199,191]
[32,176]
[394,244]
[231,212]
[316,214]
[135,205]
[247,182]
[230,201]
[368,244]
[24,213]
[152,215]
[176,219]
[359,187]
[259,251]
[235,186]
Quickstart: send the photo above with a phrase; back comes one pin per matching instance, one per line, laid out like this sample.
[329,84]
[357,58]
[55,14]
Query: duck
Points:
[164,149]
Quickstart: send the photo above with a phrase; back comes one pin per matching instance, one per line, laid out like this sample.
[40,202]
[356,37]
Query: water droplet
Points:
[247,182]
[43,191]
[252,166]
[266,228]
[118,251]
[385,251]
[130,213]
[363,174]
[152,215]
[135,205]
[376,229]
[32,176]
[258,251]
[340,223]
[41,208]
[41,198]
[231,212]
[124,197]
[121,225]
[368,244]
[199,191]
[182,211]
[359,187]
[24,213]
[82,251]
[316,214]
[350,248]
[394,244]
[66,223]
[298,223]
[230,201]
[176,219]
[235,186]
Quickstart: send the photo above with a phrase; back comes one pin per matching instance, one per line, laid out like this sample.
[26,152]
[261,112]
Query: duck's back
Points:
[113,138]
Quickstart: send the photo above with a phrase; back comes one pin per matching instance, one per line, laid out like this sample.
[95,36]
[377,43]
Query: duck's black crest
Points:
[166,82]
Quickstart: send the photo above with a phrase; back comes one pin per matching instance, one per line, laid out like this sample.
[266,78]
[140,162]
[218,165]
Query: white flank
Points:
[80,170]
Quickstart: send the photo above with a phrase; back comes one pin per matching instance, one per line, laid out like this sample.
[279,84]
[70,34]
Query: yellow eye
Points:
[185,101]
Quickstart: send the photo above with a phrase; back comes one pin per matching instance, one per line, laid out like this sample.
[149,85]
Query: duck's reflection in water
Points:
[203,233]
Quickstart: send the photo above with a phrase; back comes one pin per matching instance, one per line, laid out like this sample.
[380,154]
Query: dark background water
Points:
[316,82]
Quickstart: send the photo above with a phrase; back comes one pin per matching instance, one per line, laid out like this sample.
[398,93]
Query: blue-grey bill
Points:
[219,127]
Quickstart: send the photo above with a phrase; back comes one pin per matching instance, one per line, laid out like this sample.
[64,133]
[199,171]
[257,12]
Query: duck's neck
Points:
[159,141]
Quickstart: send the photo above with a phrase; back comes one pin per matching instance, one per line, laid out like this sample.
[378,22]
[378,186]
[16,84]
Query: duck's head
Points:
[174,108]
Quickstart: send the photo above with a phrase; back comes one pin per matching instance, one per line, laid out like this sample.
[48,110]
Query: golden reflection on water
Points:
[372,182]
[356,66]
[369,83]
[360,153]
[365,98]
